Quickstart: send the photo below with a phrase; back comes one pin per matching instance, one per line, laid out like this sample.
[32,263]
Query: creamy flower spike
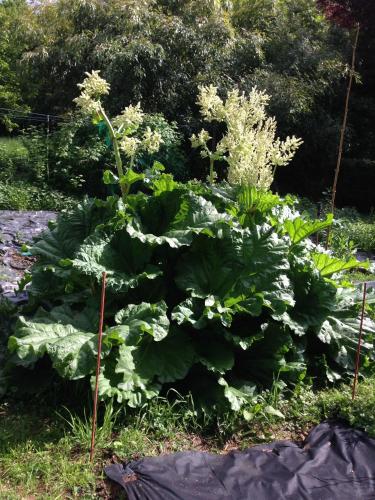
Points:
[123,126]
[88,105]
[209,102]
[201,139]
[250,146]
[151,141]
[130,146]
[93,85]
[130,117]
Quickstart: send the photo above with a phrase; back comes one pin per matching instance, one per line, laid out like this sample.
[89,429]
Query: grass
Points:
[13,146]
[44,453]
[22,195]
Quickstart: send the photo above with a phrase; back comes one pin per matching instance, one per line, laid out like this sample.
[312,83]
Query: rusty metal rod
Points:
[100,336]
[343,129]
[357,361]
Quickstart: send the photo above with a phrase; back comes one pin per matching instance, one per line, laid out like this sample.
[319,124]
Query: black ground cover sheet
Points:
[335,462]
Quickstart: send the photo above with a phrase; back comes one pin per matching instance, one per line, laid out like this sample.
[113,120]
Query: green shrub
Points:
[23,196]
[217,291]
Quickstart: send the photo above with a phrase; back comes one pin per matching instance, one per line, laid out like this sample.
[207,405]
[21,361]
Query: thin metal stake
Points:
[100,335]
[357,361]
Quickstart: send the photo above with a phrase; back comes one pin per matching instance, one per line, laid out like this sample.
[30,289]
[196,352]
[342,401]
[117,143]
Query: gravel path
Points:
[17,228]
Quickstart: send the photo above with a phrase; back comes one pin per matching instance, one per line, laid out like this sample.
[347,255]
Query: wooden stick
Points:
[357,361]
[100,336]
[343,129]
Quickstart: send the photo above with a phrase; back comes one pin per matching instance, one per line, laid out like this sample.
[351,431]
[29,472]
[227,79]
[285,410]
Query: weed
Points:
[80,428]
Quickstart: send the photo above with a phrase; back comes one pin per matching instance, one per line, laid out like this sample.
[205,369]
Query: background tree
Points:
[13,22]
[348,14]
[160,51]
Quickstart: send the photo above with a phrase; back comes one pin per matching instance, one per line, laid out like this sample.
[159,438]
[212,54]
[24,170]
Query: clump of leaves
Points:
[216,291]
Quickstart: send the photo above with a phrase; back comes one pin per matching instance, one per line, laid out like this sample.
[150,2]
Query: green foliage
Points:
[199,296]
[13,15]
[308,407]
[171,153]
[299,229]
[362,234]
[157,53]
[13,158]
[354,230]
[74,156]
[24,196]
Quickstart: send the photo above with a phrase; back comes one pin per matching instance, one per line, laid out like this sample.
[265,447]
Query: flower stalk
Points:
[122,129]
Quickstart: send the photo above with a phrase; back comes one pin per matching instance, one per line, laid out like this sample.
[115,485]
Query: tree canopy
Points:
[159,52]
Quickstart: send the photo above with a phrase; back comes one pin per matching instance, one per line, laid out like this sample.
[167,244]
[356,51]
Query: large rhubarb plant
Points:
[213,290]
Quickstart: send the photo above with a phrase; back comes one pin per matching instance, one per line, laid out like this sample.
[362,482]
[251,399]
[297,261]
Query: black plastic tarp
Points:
[334,462]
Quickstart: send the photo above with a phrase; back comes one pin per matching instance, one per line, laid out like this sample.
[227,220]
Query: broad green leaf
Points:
[314,298]
[144,318]
[243,299]
[63,241]
[158,166]
[254,204]
[163,183]
[168,360]
[241,271]
[106,253]
[241,262]
[120,379]
[269,356]
[216,354]
[130,177]
[174,218]
[69,338]
[188,311]
[299,229]
[274,412]
[199,313]
[328,265]
[243,393]
[340,330]
[135,374]
[109,177]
